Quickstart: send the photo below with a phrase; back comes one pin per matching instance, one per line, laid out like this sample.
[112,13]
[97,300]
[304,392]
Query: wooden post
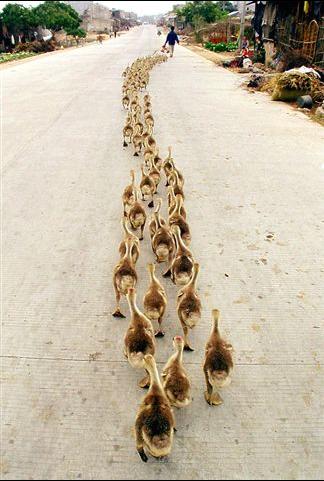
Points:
[242,24]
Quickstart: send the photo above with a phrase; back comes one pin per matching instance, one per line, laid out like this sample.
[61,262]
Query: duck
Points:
[182,264]
[149,120]
[154,173]
[129,193]
[149,141]
[157,159]
[124,276]
[173,179]
[155,423]
[175,175]
[134,102]
[129,237]
[189,306]
[162,242]
[147,186]
[173,204]
[218,363]
[176,219]
[175,379]
[128,131]
[147,133]
[168,164]
[139,339]
[155,300]
[137,139]
[156,221]
[126,99]
[148,157]
[138,124]
[137,216]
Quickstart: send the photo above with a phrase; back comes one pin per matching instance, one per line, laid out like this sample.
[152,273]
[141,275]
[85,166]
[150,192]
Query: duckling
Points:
[162,241]
[218,363]
[147,186]
[124,276]
[154,174]
[176,383]
[126,100]
[129,193]
[139,339]
[155,423]
[134,103]
[129,237]
[128,131]
[146,134]
[137,140]
[126,71]
[155,300]
[176,219]
[176,176]
[173,204]
[149,141]
[157,160]
[148,157]
[155,223]
[137,216]
[138,125]
[189,306]
[173,179]
[182,264]
[149,120]
[168,164]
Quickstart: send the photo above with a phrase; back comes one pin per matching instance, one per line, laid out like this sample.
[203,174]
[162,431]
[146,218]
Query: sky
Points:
[139,7]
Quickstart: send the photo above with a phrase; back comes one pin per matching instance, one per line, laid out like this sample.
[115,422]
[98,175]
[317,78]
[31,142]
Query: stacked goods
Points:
[291,85]
[170,241]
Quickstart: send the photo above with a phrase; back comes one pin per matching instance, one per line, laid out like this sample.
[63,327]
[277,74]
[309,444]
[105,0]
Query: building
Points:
[124,20]
[95,17]
[291,26]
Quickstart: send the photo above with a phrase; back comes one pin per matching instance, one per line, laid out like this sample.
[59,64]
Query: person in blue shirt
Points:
[171,39]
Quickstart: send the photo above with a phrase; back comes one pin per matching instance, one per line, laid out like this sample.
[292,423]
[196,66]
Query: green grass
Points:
[9,57]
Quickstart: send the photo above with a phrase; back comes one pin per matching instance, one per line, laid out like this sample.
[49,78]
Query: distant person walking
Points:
[171,39]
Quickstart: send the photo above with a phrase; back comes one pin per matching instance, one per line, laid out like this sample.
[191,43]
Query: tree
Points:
[57,15]
[227,6]
[17,18]
[77,32]
[206,11]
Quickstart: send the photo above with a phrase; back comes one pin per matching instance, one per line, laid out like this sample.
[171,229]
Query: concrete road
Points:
[254,182]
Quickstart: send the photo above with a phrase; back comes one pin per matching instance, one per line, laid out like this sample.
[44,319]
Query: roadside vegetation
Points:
[9,57]
[21,21]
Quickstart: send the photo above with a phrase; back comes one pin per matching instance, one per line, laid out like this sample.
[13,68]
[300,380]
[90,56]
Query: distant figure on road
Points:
[171,39]
[115,33]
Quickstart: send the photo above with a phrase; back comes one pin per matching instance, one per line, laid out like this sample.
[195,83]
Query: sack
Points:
[247,62]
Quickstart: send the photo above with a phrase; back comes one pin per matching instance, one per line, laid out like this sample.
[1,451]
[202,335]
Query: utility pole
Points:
[242,23]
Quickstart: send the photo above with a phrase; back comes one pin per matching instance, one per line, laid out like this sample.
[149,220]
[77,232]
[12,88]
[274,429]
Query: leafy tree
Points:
[57,15]
[206,11]
[227,6]
[17,18]
[77,32]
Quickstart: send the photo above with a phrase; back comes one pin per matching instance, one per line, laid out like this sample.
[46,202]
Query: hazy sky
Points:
[141,8]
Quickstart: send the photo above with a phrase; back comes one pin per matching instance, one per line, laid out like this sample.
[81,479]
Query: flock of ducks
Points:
[170,241]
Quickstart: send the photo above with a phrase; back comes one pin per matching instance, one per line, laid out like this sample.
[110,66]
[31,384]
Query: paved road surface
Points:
[254,172]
